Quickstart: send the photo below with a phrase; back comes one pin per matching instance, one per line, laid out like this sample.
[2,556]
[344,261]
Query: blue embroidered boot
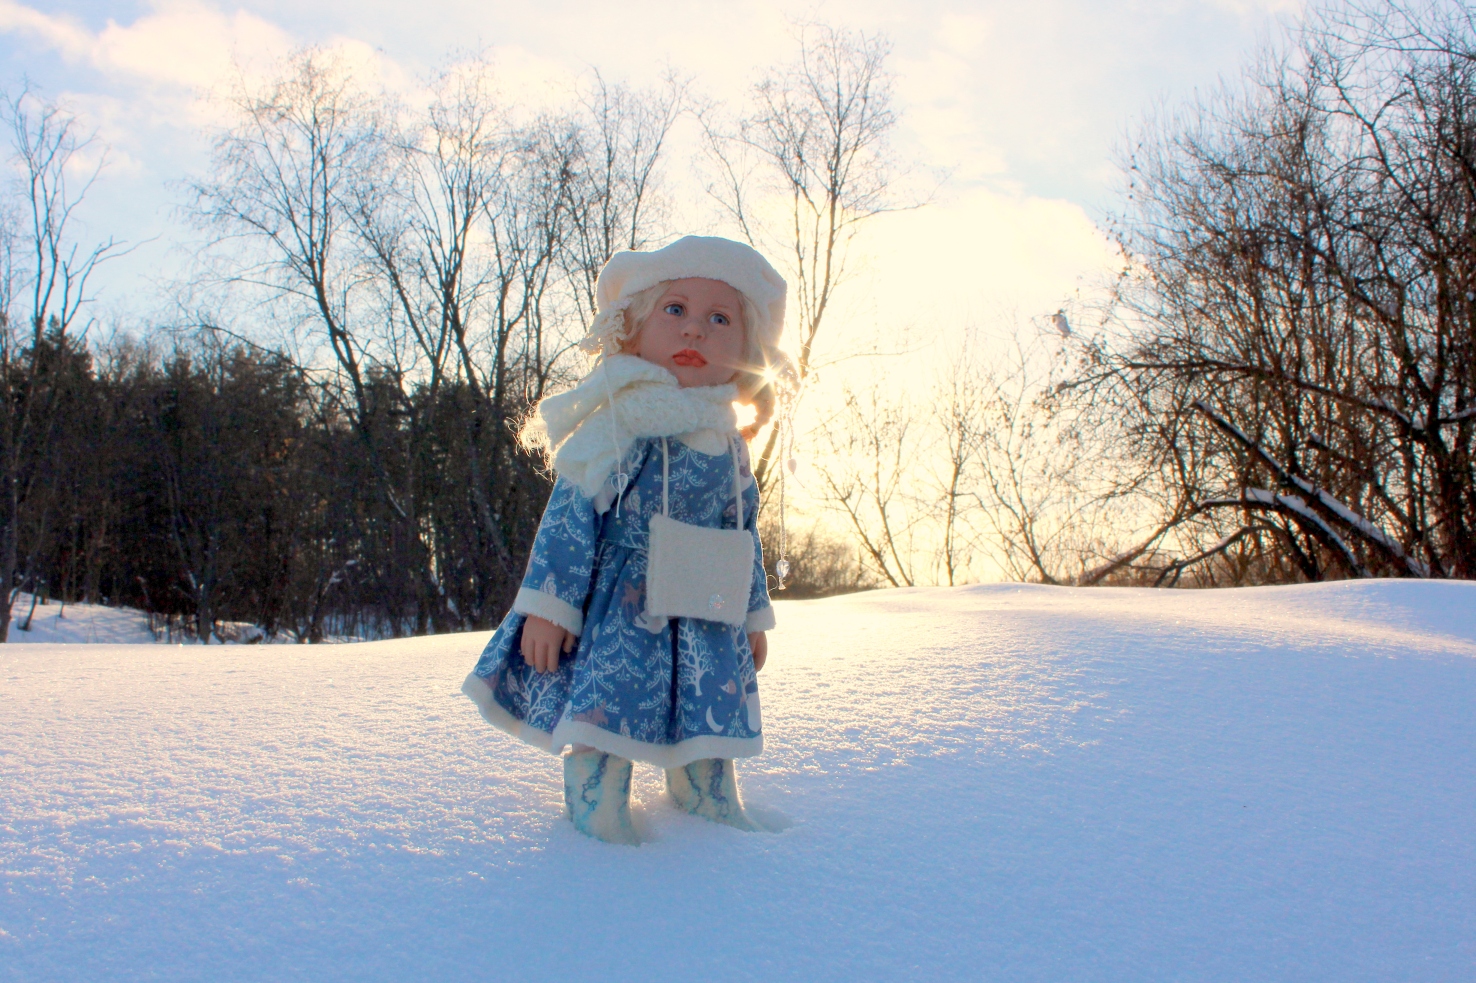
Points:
[709,788]
[597,795]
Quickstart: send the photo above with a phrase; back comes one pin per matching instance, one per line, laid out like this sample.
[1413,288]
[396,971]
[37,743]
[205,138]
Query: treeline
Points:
[220,483]
[1279,385]
[425,270]
[1299,367]
[425,266]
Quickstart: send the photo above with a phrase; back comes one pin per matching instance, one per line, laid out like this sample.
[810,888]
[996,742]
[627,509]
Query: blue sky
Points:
[1020,103]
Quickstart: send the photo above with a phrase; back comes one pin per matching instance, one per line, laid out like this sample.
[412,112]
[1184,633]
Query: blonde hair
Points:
[759,381]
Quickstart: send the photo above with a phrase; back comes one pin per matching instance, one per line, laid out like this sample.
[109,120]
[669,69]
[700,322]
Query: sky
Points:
[1009,111]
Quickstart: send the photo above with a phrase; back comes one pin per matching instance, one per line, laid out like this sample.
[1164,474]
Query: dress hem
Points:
[578,732]
[477,690]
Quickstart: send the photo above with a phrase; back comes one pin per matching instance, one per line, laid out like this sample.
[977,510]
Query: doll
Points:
[640,623]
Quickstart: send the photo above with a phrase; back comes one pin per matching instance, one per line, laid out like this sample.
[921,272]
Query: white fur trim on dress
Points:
[477,690]
[578,732]
[661,755]
[586,440]
[549,608]
[760,620]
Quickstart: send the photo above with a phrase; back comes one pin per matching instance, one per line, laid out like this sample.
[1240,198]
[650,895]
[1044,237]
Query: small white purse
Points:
[696,572]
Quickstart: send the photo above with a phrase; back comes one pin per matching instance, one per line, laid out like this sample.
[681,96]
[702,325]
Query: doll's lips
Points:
[690,358]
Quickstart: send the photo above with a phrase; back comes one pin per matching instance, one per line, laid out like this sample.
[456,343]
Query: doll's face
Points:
[696,332]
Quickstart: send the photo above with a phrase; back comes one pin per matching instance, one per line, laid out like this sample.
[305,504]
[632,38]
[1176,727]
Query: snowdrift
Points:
[92,624]
[59,623]
[999,782]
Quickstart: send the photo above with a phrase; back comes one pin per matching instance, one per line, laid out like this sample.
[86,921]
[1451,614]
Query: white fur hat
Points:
[734,263]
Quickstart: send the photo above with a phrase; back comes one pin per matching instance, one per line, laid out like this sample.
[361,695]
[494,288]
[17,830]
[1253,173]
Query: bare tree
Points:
[1025,491]
[446,256]
[957,417]
[815,140]
[864,467]
[44,273]
[461,239]
[1299,360]
[508,331]
[297,181]
[823,561]
[614,200]
[997,469]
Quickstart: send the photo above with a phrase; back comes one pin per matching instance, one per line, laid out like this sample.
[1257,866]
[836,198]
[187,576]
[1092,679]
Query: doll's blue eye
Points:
[719,319]
[675,310]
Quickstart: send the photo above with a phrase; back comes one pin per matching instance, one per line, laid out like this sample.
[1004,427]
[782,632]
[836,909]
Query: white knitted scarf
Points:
[586,441]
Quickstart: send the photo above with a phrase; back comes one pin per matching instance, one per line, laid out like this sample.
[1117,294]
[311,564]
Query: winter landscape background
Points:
[995,782]
[1219,333]
[1087,301]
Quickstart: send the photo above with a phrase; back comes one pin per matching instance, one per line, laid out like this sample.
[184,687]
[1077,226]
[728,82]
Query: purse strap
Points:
[666,481]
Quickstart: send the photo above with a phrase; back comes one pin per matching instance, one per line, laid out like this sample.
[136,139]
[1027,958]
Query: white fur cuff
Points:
[549,608]
[760,620]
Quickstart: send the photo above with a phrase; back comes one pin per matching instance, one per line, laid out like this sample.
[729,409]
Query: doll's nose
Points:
[693,327]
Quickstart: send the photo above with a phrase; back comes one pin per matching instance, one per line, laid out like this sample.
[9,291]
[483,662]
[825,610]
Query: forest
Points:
[1277,385]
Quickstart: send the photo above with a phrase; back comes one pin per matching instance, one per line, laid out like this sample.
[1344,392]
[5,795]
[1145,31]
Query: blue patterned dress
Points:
[665,691]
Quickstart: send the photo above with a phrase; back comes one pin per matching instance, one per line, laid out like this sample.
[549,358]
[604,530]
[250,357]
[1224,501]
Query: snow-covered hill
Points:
[58,623]
[1003,782]
[92,624]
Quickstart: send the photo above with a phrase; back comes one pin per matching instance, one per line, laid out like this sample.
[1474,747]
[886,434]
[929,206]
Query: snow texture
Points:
[55,622]
[999,782]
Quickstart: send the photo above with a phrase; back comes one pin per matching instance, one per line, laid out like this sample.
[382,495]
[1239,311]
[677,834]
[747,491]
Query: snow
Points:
[57,623]
[998,782]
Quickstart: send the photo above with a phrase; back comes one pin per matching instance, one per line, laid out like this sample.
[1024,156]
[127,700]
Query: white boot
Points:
[709,788]
[597,795]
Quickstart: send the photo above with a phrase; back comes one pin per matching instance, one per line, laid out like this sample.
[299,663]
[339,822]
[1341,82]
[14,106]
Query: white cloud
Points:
[182,42]
[941,115]
[931,272]
[187,43]
[1018,102]
[1259,8]
[61,33]
[964,34]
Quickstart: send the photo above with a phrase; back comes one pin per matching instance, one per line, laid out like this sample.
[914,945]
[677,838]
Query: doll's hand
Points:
[543,641]
[759,642]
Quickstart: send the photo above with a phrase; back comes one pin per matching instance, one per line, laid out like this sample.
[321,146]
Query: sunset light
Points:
[962,490]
